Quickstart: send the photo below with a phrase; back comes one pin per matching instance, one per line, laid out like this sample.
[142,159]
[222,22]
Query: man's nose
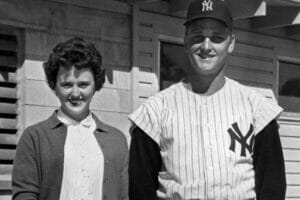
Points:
[206,43]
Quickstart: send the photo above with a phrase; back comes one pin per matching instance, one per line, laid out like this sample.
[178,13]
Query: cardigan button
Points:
[106,162]
[105,180]
[104,197]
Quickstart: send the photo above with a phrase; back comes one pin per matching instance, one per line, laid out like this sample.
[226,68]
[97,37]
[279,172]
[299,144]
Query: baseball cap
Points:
[216,9]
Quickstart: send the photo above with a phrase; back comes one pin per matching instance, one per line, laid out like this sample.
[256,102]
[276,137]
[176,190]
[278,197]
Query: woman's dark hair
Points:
[74,53]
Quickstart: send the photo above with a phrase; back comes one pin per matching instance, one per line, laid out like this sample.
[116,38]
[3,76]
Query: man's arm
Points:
[270,182]
[144,165]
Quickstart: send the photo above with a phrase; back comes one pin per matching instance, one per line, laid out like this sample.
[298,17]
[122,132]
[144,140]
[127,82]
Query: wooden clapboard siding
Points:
[8,109]
[290,139]
[149,30]
[253,65]
[292,192]
[144,58]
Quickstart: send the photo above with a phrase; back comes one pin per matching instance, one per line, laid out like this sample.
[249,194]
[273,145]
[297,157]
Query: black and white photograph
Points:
[150,99]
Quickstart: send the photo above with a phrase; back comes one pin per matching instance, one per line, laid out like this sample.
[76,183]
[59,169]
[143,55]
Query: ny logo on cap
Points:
[207,5]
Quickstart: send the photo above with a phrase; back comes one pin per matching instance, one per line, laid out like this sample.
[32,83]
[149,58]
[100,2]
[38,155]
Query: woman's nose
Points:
[75,91]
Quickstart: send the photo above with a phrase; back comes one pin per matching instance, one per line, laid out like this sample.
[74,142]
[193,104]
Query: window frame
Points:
[289,59]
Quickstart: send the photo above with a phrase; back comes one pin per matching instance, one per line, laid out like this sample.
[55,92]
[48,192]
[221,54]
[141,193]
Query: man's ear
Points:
[184,43]
[231,43]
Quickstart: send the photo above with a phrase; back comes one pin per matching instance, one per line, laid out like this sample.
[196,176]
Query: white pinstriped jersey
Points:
[206,141]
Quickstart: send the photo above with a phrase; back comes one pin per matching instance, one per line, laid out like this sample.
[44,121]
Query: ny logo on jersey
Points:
[237,136]
[207,5]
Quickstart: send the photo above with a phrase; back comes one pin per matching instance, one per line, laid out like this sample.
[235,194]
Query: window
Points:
[9,60]
[172,64]
[289,86]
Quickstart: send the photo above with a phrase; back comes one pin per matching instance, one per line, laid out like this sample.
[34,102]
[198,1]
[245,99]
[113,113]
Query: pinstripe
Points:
[217,143]
[226,121]
[234,114]
[211,157]
[244,128]
[143,121]
[185,139]
[172,148]
[191,140]
[234,117]
[199,160]
[155,116]
[139,116]
[241,167]
[178,132]
[228,115]
[237,172]
[198,150]
[204,154]
[201,143]
[223,140]
[238,111]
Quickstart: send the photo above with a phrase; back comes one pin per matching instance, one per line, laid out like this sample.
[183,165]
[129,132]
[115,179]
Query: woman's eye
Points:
[66,85]
[83,85]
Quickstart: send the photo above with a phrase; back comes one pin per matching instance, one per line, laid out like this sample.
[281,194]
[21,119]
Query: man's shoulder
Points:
[166,93]
[255,96]
[244,90]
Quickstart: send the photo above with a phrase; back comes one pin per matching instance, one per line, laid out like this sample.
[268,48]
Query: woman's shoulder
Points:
[110,130]
[43,126]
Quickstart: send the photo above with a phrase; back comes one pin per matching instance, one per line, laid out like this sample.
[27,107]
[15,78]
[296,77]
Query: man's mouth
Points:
[204,55]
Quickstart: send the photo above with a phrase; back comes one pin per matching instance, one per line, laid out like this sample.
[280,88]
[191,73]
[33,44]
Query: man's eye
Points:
[217,39]
[198,39]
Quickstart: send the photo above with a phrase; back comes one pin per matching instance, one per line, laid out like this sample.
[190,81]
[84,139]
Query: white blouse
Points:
[83,160]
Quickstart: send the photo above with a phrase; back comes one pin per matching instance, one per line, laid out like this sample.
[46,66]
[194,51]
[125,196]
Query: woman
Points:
[72,155]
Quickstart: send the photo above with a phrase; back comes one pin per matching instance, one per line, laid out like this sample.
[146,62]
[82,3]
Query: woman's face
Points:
[75,90]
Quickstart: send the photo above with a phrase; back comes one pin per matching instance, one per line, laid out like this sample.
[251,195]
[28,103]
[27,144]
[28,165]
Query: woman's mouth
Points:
[75,102]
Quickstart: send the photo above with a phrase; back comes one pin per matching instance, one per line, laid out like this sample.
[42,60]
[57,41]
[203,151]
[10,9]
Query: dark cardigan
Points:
[38,164]
[145,163]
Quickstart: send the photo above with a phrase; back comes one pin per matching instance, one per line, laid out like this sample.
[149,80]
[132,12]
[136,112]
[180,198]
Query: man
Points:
[207,137]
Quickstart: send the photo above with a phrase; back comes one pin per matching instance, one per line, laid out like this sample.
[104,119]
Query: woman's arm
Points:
[124,175]
[25,176]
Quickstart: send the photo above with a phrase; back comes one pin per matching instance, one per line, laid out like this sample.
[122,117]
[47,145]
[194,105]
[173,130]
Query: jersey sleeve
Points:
[148,117]
[265,110]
